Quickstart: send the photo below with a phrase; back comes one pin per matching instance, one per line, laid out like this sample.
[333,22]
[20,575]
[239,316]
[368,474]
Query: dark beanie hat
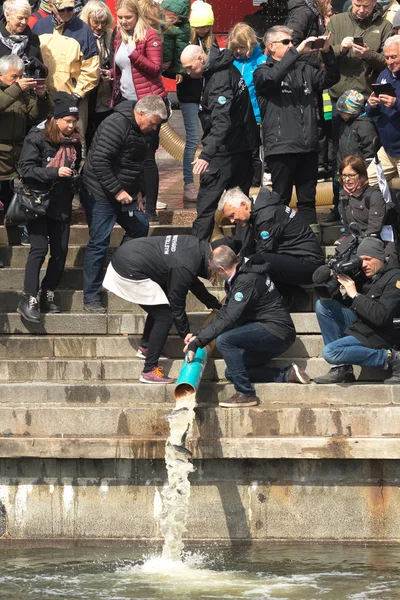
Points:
[372,247]
[65,105]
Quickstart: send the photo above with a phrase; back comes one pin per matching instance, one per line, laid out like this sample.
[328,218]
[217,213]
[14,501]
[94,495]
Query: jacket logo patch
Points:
[264,235]
[398,284]
[238,296]
[221,100]
[155,44]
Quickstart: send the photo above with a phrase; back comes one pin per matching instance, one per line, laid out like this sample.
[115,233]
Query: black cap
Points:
[65,105]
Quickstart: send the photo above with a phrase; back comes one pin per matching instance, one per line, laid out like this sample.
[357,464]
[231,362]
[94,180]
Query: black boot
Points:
[28,308]
[47,303]
[393,362]
[342,374]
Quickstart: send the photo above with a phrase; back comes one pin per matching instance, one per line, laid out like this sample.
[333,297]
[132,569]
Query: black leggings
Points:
[57,233]
[155,333]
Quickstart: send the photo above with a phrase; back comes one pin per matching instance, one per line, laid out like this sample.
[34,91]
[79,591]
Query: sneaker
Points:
[189,193]
[47,303]
[142,353]
[239,400]
[332,219]
[25,238]
[28,308]
[95,308]
[340,240]
[156,376]
[160,205]
[393,361]
[296,374]
[342,374]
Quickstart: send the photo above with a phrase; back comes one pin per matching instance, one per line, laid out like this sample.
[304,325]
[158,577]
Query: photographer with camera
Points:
[49,160]
[363,333]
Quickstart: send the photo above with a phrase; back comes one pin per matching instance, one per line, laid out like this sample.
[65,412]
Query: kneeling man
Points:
[252,328]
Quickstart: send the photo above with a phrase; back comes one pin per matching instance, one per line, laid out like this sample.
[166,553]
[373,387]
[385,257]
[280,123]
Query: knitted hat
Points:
[371,247]
[201,14]
[396,19]
[65,105]
[351,102]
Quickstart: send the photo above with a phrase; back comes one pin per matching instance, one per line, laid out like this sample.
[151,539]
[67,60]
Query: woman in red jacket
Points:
[137,62]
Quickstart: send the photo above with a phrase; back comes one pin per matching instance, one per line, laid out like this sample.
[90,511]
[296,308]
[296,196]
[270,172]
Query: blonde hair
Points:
[242,36]
[139,32]
[206,41]
[152,14]
[98,11]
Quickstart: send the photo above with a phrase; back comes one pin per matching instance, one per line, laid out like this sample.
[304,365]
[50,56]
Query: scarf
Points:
[16,43]
[45,7]
[357,191]
[313,7]
[66,154]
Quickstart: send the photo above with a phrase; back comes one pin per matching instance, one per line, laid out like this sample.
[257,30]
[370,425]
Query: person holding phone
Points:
[384,103]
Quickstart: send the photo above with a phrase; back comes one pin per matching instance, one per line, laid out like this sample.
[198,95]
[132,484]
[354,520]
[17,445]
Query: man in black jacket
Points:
[252,328]
[157,273]
[287,89]
[113,177]
[229,131]
[363,334]
[274,232]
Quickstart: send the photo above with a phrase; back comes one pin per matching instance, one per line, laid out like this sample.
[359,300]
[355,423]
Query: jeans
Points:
[190,114]
[245,351]
[104,215]
[342,349]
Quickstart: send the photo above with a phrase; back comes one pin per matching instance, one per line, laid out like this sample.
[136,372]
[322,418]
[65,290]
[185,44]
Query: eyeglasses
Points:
[349,175]
[68,9]
[285,42]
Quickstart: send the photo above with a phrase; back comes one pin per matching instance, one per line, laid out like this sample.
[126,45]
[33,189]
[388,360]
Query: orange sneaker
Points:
[156,376]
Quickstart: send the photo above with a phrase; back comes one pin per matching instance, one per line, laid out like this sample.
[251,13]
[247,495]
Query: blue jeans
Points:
[245,351]
[190,114]
[102,216]
[341,349]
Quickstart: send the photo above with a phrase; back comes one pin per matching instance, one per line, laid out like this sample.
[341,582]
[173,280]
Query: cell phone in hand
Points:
[384,89]
[358,41]
[40,81]
[317,44]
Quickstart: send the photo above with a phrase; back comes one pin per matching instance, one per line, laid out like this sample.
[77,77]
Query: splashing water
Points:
[176,494]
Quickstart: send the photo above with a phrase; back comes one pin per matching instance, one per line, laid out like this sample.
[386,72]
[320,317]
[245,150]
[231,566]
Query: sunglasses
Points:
[68,9]
[285,42]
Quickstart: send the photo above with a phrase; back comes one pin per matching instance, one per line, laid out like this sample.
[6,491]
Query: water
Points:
[176,494]
[247,572]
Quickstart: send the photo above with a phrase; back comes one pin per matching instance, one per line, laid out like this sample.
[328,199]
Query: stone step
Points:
[115,346]
[210,423]
[78,393]
[122,323]
[53,369]
[152,448]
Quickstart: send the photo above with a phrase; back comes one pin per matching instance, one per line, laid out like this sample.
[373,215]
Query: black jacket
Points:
[226,113]
[32,49]
[286,92]
[251,297]
[369,210]
[375,307]
[356,137]
[305,20]
[190,89]
[116,155]
[274,227]
[35,155]
[174,262]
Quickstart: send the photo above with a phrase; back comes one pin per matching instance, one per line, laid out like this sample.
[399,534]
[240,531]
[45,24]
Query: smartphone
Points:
[40,81]
[317,44]
[358,41]
[383,88]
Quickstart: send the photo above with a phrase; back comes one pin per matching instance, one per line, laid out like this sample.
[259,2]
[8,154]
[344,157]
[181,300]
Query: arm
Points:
[9,96]
[31,159]
[334,42]
[38,108]
[376,213]
[220,115]
[89,75]
[329,75]
[268,79]
[380,311]
[201,292]
[150,62]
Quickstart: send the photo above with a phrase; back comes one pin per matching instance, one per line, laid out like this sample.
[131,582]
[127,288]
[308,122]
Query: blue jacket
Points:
[388,118]
[247,66]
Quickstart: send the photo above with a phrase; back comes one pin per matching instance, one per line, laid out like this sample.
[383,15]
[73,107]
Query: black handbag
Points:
[27,204]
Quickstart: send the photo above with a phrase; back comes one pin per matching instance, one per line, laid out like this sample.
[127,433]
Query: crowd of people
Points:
[82,101]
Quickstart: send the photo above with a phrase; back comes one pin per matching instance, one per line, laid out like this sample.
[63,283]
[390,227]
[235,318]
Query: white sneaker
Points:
[160,205]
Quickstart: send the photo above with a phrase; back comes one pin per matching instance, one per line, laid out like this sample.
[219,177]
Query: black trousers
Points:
[158,323]
[300,170]
[287,269]
[43,233]
[223,173]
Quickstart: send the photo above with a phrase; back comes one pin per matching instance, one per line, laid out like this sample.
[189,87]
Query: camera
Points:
[344,262]
[34,69]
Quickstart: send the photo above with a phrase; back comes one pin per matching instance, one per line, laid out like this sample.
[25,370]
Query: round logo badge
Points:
[264,235]
[221,100]
[238,296]
[155,44]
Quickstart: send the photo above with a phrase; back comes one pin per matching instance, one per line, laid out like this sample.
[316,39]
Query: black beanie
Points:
[65,105]
[372,247]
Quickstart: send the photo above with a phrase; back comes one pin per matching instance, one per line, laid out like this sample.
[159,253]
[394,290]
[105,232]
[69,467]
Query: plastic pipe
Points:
[190,374]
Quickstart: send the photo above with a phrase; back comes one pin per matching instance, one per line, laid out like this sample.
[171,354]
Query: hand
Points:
[374,100]
[41,91]
[166,65]
[327,44]
[178,78]
[26,84]
[388,101]
[346,44]
[305,46]
[348,284]
[188,338]
[64,172]
[106,74]
[362,51]
[140,201]
[199,166]
[123,197]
